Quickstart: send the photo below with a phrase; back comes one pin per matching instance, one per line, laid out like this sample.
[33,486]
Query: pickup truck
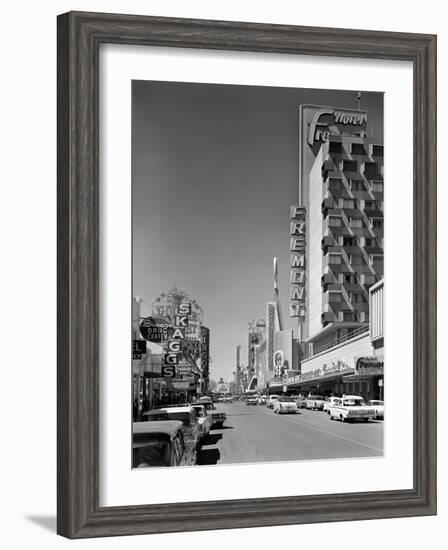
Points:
[351,407]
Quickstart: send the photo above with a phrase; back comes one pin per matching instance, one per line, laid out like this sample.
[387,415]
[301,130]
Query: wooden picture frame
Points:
[79,38]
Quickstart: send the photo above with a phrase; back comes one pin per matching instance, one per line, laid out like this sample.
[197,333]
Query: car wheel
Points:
[342,418]
[331,416]
[366,419]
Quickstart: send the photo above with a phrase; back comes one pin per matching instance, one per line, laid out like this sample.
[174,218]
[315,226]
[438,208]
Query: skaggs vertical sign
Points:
[297,262]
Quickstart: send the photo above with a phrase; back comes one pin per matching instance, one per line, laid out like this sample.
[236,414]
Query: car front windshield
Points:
[354,402]
[154,454]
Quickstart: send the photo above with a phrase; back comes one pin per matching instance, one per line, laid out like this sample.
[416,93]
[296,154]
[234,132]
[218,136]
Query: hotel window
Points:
[334,297]
[368,241]
[349,166]
[334,258]
[368,279]
[377,186]
[335,184]
[335,147]
[356,185]
[348,241]
[371,170]
[358,149]
[334,221]
[369,205]
[355,222]
[347,203]
[348,278]
[377,223]
[348,316]
[375,259]
[356,298]
[377,151]
[355,259]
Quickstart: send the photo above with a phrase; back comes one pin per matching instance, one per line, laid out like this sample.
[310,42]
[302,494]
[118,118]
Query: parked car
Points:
[227,399]
[218,417]
[315,402]
[351,407]
[330,401]
[378,407]
[300,401]
[159,444]
[271,399]
[252,401]
[204,419]
[284,405]
[262,399]
[186,414]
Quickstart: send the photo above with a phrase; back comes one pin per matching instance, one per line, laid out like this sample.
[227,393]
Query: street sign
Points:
[380,382]
[154,329]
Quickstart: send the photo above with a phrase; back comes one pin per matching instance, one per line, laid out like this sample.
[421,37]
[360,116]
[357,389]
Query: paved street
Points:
[256,434]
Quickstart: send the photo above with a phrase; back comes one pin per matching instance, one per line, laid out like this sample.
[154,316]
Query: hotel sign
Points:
[297,261]
[324,122]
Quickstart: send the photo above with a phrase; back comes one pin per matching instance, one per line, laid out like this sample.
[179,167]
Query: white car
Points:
[351,407]
[315,402]
[271,400]
[329,403]
[378,406]
[284,405]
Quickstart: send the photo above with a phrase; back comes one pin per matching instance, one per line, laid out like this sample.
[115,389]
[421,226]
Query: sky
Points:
[214,171]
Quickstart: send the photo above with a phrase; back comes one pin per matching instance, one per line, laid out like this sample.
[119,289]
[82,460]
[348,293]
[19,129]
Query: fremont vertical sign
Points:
[297,262]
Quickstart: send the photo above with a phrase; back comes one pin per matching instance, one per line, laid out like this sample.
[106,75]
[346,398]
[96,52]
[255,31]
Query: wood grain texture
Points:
[79,37]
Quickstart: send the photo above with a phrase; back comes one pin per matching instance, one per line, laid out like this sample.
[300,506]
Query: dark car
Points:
[160,444]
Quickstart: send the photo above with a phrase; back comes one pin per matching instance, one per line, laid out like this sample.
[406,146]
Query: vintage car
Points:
[300,401]
[271,400]
[315,402]
[204,419]
[262,399]
[159,444]
[351,407]
[252,400]
[186,414]
[378,407]
[218,417]
[284,405]
[328,404]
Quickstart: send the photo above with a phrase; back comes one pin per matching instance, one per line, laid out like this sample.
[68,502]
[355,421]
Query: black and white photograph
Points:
[257,243]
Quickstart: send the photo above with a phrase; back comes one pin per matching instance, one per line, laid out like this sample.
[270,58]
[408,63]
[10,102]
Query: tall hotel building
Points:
[341,189]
